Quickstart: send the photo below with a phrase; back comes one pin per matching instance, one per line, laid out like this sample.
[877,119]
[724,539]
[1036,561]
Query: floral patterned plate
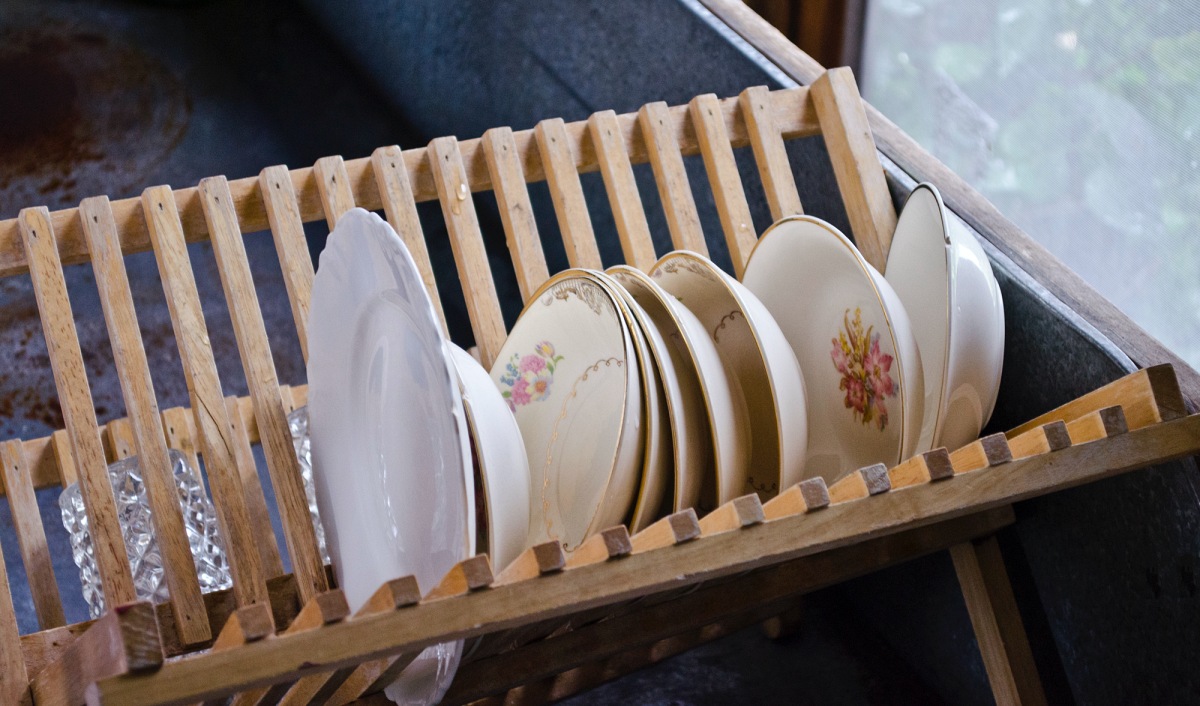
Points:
[761,368]
[570,374]
[852,337]
[390,452]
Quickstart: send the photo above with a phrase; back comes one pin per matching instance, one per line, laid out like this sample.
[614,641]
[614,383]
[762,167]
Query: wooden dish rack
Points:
[550,624]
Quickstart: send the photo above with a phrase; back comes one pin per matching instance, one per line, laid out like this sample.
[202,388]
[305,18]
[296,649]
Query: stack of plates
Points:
[622,396]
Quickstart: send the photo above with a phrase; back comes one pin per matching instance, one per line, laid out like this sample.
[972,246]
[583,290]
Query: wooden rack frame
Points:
[549,624]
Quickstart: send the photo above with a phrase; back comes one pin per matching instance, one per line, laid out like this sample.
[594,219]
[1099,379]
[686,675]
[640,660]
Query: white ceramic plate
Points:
[390,451]
[759,360]
[656,461]
[851,335]
[714,437]
[500,455]
[569,373]
[945,280]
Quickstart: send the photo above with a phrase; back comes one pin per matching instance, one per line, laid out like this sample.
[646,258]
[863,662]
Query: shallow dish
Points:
[569,372]
[760,362]
[715,436]
[390,451]
[945,280]
[862,369]
[500,456]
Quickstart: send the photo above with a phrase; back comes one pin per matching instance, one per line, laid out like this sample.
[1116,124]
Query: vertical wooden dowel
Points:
[516,211]
[623,197]
[141,403]
[283,214]
[74,392]
[255,499]
[204,391]
[856,164]
[31,535]
[728,193]
[674,191]
[779,184]
[466,240]
[333,183]
[255,352]
[566,191]
[395,190]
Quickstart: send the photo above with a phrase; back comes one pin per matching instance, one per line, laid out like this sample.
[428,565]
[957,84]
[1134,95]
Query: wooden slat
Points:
[258,515]
[179,425]
[661,135]
[792,113]
[923,468]
[623,197]
[391,178]
[118,440]
[125,640]
[333,183]
[75,397]
[141,402]
[609,543]
[470,255]
[255,352]
[566,191]
[805,496]
[724,554]
[60,442]
[999,632]
[538,560]
[676,528]
[1147,396]
[1102,423]
[738,513]
[989,451]
[218,441]
[864,482]
[31,536]
[516,212]
[291,246]
[724,179]
[1052,436]
[779,184]
[856,164]
[14,679]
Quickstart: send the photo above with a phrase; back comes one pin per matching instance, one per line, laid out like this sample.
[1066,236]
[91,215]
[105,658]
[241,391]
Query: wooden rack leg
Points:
[997,622]
[14,680]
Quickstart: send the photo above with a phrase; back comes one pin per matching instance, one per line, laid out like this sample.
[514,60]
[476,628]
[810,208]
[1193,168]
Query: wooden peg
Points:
[735,514]
[805,496]
[1101,424]
[61,444]
[118,440]
[871,480]
[122,641]
[675,528]
[333,183]
[1052,436]
[467,575]
[730,197]
[291,246]
[660,130]
[779,184]
[982,453]
[923,468]
[246,624]
[543,558]
[610,543]
[1147,396]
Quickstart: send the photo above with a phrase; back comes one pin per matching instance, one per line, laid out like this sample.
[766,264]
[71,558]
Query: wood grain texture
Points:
[333,184]
[291,246]
[470,255]
[31,536]
[661,132]
[124,640]
[856,163]
[255,352]
[566,191]
[179,427]
[1029,255]
[75,397]
[516,211]
[629,214]
[117,437]
[1146,396]
[999,632]
[14,679]
[723,177]
[257,513]
[391,179]
[774,168]
[141,403]
[217,438]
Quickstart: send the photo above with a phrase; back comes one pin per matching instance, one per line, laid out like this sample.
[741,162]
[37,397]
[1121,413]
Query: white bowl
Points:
[953,300]
[569,372]
[715,437]
[862,368]
[758,356]
[500,457]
